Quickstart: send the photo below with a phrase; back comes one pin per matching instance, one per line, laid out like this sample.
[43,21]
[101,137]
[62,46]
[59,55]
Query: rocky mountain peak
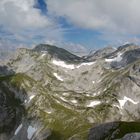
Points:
[100,53]
[128,46]
[58,53]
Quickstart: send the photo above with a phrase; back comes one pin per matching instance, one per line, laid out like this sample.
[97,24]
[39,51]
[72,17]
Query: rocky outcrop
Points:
[116,131]
[11,110]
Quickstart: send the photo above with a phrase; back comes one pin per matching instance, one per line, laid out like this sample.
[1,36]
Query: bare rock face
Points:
[11,112]
[131,136]
[100,53]
[115,131]
[103,131]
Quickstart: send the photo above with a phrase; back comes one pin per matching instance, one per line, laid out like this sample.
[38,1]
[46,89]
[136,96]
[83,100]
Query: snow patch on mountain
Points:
[63,99]
[74,101]
[116,106]
[31,97]
[71,66]
[31,130]
[93,103]
[85,64]
[125,99]
[44,54]
[25,101]
[117,58]
[49,111]
[58,77]
[63,64]
[18,129]
[92,94]
[66,94]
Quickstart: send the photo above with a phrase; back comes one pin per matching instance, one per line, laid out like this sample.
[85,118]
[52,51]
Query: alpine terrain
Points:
[48,93]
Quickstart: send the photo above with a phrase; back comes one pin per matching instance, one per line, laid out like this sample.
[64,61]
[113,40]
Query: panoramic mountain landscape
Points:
[47,93]
[69,70]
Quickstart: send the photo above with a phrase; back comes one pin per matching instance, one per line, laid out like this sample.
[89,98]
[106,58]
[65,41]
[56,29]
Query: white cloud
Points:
[7,45]
[19,14]
[107,15]
[26,24]
[114,19]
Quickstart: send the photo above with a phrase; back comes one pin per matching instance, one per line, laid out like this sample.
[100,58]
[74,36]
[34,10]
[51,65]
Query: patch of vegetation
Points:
[127,127]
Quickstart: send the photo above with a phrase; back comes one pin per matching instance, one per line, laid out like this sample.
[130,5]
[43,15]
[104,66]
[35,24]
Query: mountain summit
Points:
[59,53]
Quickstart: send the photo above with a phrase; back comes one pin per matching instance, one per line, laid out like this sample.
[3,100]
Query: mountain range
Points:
[48,93]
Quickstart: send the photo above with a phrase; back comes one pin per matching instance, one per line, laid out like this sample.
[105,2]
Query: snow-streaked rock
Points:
[25,101]
[58,77]
[31,97]
[63,64]
[63,99]
[85,64]
[117,58]
[30,132]
[74,101]
[125,99]
[71,66]
[18,129]
[44,54]
[93,103]
[49,111]
[66,94]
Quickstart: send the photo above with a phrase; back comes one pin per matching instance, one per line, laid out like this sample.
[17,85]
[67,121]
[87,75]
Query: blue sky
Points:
[86,37]
[92,23]
[40,4]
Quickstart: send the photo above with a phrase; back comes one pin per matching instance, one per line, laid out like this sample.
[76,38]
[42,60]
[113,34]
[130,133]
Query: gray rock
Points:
[131,136]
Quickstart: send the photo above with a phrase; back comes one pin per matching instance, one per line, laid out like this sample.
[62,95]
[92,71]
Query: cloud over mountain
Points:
[97,22]
[111,15]
[16,14]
